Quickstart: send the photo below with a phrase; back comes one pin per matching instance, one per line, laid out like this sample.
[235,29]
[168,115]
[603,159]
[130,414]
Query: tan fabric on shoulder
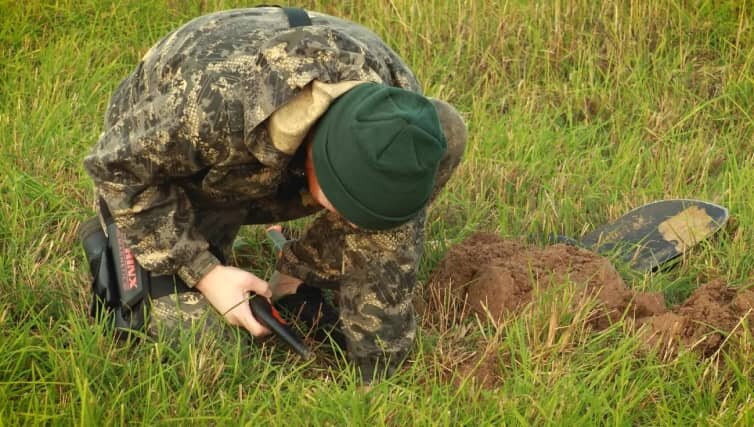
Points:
[289,125]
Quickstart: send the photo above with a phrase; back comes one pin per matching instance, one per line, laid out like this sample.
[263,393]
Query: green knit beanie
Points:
[376,152]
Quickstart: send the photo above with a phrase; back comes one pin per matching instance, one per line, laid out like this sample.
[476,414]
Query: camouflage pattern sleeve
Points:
[317,257]
[131,166]
[375,275]
[376,296]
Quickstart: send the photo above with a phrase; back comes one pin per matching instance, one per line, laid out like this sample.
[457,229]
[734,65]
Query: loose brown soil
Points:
[702,322]
[495,279]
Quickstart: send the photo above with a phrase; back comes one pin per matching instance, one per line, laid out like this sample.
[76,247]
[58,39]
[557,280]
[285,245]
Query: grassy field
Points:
[578,110]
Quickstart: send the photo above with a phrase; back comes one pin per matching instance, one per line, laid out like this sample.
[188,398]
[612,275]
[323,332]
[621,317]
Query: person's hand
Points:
[283,284]
[228,289]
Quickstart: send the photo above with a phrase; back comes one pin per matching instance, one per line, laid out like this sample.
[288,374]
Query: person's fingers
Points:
[253,326]
[258,286]
[241,316]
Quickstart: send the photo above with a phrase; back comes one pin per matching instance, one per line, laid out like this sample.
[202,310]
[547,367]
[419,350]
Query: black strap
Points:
[297,17]
[160,286]
[104,211]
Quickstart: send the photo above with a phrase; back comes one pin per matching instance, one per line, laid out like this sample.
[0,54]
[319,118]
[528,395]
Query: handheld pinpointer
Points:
[266,314]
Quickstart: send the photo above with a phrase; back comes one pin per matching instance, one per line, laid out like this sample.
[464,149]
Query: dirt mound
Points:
[702,322]
[495,278]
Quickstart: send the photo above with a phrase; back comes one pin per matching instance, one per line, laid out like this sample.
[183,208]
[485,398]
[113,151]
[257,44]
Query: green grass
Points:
[578,111]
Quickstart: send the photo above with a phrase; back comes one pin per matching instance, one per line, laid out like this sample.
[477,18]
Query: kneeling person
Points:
[251,117]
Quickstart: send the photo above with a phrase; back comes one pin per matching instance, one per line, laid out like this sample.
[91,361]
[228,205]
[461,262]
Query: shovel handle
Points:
[277,238]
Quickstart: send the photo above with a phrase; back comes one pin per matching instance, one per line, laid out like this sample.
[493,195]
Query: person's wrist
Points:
[198,268]
[207,279]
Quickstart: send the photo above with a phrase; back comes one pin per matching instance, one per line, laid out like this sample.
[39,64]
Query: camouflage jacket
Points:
[184,132]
